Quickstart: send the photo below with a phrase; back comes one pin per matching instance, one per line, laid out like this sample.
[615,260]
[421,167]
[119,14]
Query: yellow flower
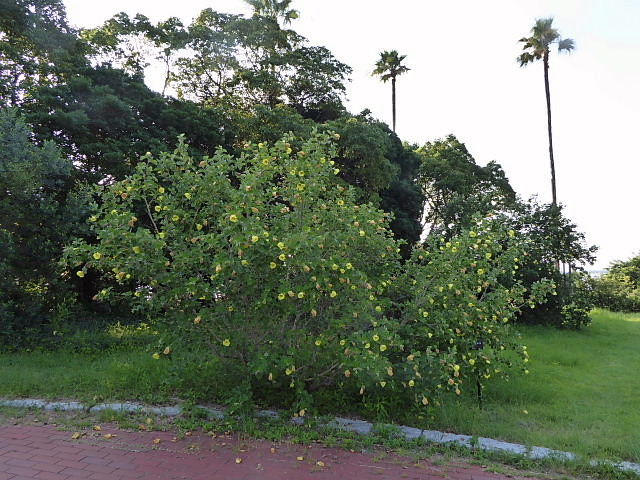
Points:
[161,190]
[93,218]
[270,377]
[281,296]
[226,342]
[376,338]
[282,257]
[188,195]
[349,266]
[342,342]
[80,273]
[175,218]
[162,234]
[383,348]
[300,187]
[233,218]
[273,265]
[336,171]
[383,383]
[167,350]
[411,383]
[291,293]
[347,373]
[97,255]
[198,226]
[300,294]
[340,202]
[367,345]
[334,267]
[390,371]
[472,361]
[157,208]
[425,314]
[425,401]
[254,238]
[281,245]
[197,320]
[362,233]
[156,356]
[137,249]
[218,268]
[378,308]
[318,342]
[333,294]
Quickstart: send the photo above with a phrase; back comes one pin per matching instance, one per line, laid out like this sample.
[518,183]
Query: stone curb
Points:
[357,426]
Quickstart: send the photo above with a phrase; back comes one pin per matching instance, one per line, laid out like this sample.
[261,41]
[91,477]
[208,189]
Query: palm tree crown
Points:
[274,9]
[388,67]
[536,47]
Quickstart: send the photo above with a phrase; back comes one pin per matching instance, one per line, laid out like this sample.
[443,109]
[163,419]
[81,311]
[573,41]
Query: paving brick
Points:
[52,455]
[50,476]
[24,471]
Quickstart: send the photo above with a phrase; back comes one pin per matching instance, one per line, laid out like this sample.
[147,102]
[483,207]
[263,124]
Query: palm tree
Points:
[536,47]
[388,68]
[274,9]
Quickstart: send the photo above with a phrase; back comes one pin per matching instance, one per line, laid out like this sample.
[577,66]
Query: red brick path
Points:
[44,453]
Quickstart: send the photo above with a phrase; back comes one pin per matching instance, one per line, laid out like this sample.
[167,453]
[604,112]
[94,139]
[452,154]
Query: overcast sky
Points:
[464,80]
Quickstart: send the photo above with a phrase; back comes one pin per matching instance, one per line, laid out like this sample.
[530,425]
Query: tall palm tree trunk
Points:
[393,101]
[546,89]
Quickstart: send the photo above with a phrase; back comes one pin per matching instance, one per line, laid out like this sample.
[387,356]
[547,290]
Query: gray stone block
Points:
[357,426]
[498,446]
[410,433]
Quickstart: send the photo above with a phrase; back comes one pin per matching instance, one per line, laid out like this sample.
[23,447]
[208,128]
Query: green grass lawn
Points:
[581,396]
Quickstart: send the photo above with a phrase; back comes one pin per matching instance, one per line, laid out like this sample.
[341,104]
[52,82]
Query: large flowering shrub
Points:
[266,259]
[268,265]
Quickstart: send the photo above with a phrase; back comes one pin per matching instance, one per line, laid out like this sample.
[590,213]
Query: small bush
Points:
[619,288]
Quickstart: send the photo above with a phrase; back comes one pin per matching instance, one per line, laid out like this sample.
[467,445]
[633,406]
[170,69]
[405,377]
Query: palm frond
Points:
[566,45]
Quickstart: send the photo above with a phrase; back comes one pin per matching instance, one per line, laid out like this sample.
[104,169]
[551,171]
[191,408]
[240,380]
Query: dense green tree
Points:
[244,62]
[536,47]
[619,288]
[551,239]
[455,187]
[39,212]
[105,119]
[37,47]
[388,67]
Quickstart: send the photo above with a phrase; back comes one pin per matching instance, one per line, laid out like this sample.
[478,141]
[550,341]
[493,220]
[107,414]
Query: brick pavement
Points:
[45,453]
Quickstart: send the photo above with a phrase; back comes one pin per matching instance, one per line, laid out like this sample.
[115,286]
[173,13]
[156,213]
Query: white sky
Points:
[464,80]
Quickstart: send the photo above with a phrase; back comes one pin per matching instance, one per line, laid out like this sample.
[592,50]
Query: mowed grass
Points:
[582,395]
[122,375]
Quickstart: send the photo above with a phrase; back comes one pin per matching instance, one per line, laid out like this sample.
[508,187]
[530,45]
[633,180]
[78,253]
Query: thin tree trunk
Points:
[393,101]
[546,89]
